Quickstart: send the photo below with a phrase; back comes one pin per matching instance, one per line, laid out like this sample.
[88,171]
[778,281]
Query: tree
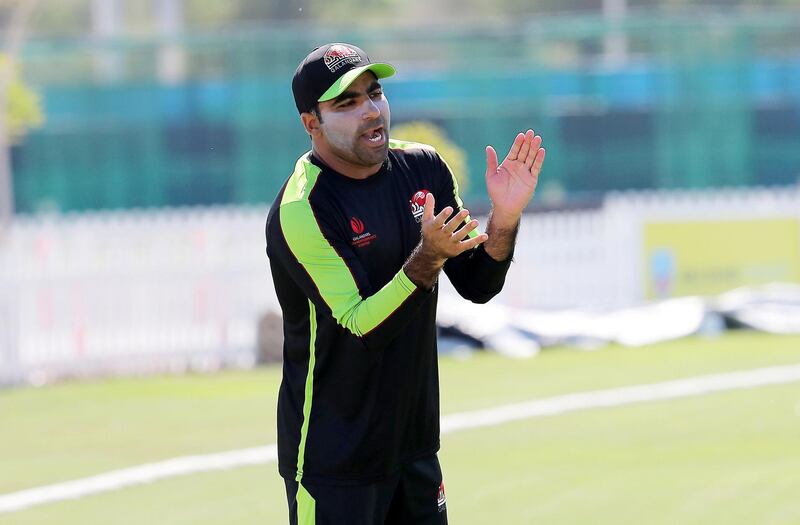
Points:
[427,133]
[13,95]
[23,110]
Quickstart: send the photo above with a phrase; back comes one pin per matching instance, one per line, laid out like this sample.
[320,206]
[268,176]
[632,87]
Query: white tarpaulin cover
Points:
[519,332]
[773,308]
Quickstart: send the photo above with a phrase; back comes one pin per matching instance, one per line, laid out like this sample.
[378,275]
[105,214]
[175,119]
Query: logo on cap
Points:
[338,56]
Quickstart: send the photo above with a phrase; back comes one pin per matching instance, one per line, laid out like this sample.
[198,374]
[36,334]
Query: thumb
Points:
[430,202]
[491,161]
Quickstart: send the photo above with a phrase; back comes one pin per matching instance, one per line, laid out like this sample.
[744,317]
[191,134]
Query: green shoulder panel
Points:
[405,144]
[302,180]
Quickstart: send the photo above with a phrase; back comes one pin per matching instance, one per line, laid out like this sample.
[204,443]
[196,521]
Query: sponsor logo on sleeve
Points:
[442,501]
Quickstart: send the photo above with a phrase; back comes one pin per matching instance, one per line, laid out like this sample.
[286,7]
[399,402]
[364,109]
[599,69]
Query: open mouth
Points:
[375,137]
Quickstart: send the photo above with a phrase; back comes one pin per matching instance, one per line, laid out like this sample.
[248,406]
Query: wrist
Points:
[423,266]
[502,220]
[431,256]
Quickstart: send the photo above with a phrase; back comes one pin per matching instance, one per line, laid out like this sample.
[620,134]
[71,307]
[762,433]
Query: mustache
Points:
[380,123]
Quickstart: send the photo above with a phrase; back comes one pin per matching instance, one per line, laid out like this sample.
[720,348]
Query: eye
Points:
[376,94]
[346,103]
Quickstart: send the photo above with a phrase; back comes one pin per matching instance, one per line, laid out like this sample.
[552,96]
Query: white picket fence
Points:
[143,290]
[133,291]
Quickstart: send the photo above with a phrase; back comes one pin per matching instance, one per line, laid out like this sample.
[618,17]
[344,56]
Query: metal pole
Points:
[169,16]
[616,41]
[106,25]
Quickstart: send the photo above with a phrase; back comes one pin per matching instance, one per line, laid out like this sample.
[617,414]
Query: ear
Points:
[310,123]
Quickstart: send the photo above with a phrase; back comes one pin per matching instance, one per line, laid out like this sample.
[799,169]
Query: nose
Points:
[371,110]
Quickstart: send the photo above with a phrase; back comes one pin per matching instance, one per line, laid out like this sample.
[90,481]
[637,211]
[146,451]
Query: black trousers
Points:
[413,496]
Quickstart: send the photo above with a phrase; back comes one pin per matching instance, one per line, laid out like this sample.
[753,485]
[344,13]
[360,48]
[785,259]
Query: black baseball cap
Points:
[327,71]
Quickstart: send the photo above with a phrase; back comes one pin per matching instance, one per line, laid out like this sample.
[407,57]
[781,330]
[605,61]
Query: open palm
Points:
[512,183]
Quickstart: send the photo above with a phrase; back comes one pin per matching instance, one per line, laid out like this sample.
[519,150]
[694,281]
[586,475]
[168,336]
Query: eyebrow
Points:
[347,95]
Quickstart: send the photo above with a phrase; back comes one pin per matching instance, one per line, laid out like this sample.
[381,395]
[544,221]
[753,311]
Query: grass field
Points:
[730,457]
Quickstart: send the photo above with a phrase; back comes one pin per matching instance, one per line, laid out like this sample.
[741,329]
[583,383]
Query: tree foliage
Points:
[23,106]
[428,133]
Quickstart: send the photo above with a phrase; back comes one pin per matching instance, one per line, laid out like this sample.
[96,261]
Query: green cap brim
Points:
[337,88]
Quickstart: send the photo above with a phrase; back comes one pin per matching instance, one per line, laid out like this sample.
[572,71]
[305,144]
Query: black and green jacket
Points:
[360,390]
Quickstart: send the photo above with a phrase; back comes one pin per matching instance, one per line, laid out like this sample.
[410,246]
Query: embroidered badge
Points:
[417,203]
[338,56]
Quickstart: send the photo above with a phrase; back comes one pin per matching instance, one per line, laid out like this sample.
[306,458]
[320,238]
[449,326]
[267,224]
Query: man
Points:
[356,239]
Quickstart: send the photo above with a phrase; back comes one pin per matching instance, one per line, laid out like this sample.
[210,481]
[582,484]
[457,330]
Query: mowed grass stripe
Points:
[74,430]
[451,423]
[727,458]
[730,457]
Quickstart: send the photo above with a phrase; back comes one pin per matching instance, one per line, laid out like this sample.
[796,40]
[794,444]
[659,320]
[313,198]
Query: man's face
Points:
[355,125]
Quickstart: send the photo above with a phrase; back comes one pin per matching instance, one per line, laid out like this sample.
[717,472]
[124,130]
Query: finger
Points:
[453,223]
[440,219]
[427,212]
[514,151]
[491,161]
[465,230]
[471,243]
[537,163]
[526,146]
[535,145]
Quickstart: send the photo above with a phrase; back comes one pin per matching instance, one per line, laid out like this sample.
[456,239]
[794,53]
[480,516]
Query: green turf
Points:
[724,458]
[68,431]
[244,496]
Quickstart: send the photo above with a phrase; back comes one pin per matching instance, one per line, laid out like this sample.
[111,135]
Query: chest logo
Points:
[417,203]
[361,238]
[357,225]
